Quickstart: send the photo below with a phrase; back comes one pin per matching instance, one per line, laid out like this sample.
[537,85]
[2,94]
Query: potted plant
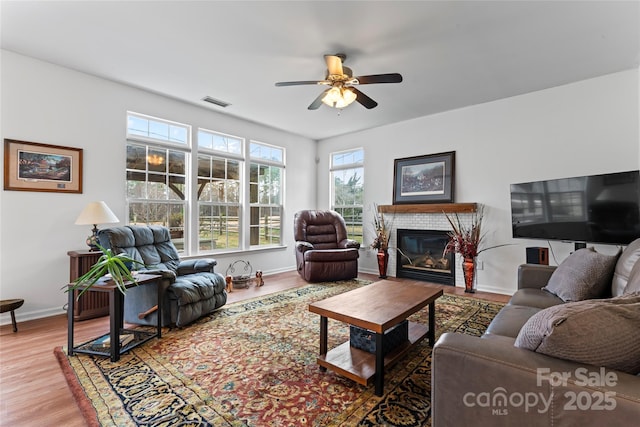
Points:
[118,267]
[465,240]
[381,241]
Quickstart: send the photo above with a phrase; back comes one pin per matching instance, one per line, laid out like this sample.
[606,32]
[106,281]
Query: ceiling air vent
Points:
[216,102]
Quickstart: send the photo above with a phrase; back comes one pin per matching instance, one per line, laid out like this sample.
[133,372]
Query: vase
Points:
[469,272]
[383,262]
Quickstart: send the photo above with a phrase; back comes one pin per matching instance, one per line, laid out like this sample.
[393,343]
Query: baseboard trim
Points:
[494,290]
[23,316]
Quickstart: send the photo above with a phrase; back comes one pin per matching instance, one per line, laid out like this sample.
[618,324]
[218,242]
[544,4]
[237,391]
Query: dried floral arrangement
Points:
[465,240]
[381,241]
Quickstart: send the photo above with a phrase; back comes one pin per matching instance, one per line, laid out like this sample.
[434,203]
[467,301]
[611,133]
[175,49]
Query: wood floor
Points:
[33,391]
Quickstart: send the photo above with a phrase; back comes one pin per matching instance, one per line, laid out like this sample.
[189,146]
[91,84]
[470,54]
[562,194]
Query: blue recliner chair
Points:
[192,289]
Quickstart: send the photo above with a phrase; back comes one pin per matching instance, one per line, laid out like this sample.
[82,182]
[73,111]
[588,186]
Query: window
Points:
[156,129]
[347,189]
[168,184]
[156,183]
[209,140]
[266,176]
[219,191]
[156,174]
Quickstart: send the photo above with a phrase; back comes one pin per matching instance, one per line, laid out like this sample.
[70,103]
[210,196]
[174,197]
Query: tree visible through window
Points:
[347,189]
[266,176]
[156,174]
[167,185]
[219,191]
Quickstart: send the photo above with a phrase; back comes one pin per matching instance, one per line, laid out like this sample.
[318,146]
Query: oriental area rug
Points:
[253,363]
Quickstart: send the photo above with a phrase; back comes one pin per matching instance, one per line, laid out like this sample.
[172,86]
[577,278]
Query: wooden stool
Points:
[10,305]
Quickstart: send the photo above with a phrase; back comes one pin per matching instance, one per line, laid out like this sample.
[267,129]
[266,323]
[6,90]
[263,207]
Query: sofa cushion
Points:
[627,260]
[596,332]
[510,320]
[498,338]
[535,298]
[633,285]
[585,274]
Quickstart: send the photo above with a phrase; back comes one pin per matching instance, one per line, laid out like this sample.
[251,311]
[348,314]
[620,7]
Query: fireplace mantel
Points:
[429,208]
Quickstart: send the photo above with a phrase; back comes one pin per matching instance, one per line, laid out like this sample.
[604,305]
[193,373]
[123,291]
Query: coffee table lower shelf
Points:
[359,365]
[139,337]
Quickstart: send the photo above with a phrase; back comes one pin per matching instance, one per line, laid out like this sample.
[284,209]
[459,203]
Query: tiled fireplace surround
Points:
[425,217]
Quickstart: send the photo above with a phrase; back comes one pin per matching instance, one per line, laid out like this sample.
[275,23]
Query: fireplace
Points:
[421,258]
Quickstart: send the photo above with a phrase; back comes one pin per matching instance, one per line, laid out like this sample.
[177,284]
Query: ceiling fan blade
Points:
[305,82]
[318,101]
[363,99]
[380,78]
[334,65]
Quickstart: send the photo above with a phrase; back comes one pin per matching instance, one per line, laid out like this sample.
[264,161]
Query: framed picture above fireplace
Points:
[424,179]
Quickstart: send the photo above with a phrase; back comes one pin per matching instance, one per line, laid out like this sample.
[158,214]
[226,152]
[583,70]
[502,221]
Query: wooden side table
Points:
[91,304]
[116,319]
[11,305]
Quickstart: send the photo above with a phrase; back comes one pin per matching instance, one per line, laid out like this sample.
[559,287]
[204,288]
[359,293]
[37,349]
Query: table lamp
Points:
[96,213]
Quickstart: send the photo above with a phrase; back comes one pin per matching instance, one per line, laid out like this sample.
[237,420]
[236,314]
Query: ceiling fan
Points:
[342,90]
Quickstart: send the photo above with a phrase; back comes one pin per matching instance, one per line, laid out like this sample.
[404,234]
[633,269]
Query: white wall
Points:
[586,127]
[583,128]
[44,103]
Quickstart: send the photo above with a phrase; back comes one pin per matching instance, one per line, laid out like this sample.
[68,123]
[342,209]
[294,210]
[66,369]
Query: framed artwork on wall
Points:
[424,179]
[31,166]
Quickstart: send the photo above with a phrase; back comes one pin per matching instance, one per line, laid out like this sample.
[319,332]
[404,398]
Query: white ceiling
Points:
[451,54]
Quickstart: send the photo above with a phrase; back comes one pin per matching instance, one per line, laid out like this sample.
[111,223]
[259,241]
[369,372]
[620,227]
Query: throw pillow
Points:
[633,284]
[596,332]
[585,274]
[625,264]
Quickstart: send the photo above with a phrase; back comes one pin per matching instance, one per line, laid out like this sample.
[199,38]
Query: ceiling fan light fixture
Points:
[342,91]
[339,97]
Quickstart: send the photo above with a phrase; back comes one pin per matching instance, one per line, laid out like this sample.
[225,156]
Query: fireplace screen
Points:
[421,256]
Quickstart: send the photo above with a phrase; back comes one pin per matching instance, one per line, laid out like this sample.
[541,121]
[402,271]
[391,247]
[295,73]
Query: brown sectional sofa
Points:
[510,376]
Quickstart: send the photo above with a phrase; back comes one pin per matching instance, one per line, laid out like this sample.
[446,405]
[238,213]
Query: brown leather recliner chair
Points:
[323,251]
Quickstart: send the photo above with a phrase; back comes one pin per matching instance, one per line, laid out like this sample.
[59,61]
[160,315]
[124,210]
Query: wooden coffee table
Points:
[376,307]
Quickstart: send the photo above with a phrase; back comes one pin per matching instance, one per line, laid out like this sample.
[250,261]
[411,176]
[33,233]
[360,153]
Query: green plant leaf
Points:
[108,263]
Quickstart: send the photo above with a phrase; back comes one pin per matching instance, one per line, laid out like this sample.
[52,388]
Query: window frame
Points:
[352,223]
[168,145]
[152,140]
[180,235]
[238,152]
[268,163]
[225,205]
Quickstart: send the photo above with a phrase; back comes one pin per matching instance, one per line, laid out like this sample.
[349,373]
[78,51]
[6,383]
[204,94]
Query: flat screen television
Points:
[595,209]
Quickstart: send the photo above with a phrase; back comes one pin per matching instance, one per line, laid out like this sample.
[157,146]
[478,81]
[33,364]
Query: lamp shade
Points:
[339,97]
[96,213]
